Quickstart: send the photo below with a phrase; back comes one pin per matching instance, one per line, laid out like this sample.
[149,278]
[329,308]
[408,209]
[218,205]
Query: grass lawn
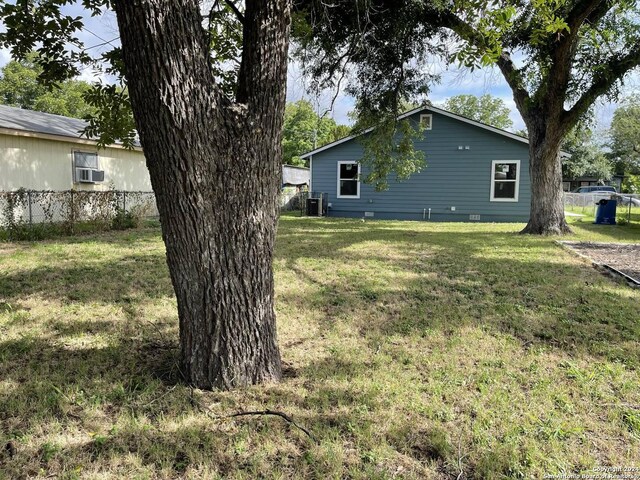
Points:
[411,350]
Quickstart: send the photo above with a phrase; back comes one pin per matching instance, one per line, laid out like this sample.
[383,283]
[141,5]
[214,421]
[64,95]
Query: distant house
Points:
[474,172]
[570,184]
[40,151]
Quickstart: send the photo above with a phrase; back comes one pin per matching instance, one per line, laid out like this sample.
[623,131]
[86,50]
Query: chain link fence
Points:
[21,210]
[290,199]
[628,205]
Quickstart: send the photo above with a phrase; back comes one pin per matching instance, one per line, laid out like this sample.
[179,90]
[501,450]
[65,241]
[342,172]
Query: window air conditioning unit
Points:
[89,175]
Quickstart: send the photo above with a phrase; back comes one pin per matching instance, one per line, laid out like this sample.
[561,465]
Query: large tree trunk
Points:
[215,169]
[545,169]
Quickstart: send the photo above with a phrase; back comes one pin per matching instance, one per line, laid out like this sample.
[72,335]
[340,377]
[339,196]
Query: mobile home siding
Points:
[40,164]
[453,178]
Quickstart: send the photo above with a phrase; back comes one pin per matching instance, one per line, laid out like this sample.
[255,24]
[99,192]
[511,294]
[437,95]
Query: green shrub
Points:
[124,220]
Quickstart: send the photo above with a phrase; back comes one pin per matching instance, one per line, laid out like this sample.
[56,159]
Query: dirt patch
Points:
[6,250]
[624,257]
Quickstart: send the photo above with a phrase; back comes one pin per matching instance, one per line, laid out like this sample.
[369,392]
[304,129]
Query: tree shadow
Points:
[106,281]
[399,281]
[541,298]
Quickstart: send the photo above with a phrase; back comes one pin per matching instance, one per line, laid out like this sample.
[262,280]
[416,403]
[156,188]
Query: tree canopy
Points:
[625,135]
[20,87]
[305,130]
[486,109]
[588,157]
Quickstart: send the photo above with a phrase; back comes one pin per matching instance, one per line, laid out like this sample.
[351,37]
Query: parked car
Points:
[595,189]
[627,199]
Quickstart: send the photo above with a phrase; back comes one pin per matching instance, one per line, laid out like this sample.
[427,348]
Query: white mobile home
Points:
[40,151]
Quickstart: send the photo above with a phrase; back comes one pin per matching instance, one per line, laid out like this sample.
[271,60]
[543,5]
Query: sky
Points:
[454,81]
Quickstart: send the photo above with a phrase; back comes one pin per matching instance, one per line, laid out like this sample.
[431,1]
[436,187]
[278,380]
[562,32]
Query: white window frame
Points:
[348,162]
[492,197]
[430,117]
[73,162]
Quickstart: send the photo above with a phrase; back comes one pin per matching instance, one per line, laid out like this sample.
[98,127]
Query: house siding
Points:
[41,164]
[452,178]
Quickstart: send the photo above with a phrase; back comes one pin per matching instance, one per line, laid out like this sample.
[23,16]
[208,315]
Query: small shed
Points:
[293,176]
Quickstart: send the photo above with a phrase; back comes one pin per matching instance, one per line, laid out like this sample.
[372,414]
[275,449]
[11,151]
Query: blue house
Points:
[474,172]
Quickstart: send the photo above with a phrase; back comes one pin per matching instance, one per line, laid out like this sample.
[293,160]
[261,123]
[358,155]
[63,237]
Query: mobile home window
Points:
[348,180]
[85,160]
[85,167]
[505,180]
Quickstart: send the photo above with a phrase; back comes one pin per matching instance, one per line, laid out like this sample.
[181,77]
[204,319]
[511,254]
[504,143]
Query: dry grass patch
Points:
[411,350]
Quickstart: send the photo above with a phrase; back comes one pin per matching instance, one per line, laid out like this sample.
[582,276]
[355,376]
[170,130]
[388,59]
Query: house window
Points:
[426,120]
[84,166]
[505,180]
[348,180]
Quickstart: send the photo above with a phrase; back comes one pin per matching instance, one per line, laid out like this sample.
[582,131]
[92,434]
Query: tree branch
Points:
[555,89]
[511,74]
[236,11]
[277,414]
[263,68]
[611,72]
[591,10]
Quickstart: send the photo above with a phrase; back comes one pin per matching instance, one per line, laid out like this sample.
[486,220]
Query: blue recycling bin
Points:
[606,212]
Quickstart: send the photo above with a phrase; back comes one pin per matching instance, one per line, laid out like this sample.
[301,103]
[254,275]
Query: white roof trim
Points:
[440,111]
[61,138]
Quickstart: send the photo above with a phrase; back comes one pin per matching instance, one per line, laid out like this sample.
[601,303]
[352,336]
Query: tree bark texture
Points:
[215,169]
[545,169]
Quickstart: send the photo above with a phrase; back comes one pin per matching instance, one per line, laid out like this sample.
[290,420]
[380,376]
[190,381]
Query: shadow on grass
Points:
[523,286]
[386,279]
[108,281]
[140,415]
[406,277]
[611,233]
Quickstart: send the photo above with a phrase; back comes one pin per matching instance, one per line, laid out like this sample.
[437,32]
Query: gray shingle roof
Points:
[46,123]
[38,122]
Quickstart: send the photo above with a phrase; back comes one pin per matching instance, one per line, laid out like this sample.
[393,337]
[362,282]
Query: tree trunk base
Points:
[561,228]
